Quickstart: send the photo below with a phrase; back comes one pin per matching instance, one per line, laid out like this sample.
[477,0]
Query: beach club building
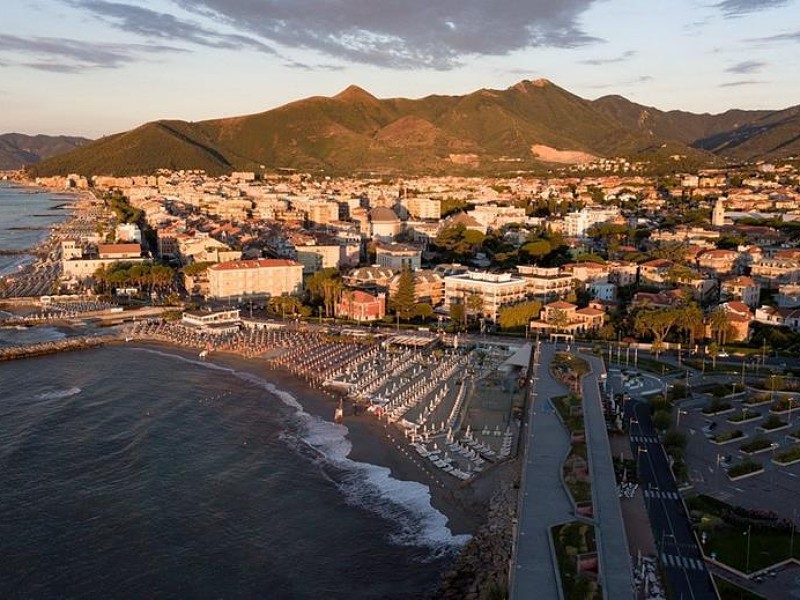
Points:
[264,277]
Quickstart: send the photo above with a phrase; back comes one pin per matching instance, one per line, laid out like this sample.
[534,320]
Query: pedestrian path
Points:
[543,503]
[671,561]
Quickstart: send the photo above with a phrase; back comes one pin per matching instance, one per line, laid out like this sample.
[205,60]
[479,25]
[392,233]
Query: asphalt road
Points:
[672,530]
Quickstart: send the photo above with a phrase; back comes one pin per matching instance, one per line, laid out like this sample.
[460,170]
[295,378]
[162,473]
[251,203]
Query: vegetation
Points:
[716,406]
[744,415]
[773,422]
[403,300]
[570,541]
[517,316]
[745,468]
[153,278]
[785,405]
[727,436]
[788,456]
[756,445]
[727,528]
[324,288]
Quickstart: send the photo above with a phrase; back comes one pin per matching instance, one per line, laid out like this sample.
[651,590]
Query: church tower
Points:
[718,214]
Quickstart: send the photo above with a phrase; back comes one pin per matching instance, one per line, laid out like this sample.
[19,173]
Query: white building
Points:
[262,277]
[495,290]
[577,223]
[398,256]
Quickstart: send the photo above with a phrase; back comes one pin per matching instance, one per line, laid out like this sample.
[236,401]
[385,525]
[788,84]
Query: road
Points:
[677,547]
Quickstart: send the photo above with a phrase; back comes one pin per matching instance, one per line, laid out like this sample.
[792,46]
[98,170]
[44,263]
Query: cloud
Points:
[741,83]
[63,55]
[745,67]
[157,25]
[737,8]
[619,84]
[293,64]
[781,37]
[608,61]
[407,34]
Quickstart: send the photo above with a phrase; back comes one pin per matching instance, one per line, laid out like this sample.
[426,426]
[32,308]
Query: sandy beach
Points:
[372,441]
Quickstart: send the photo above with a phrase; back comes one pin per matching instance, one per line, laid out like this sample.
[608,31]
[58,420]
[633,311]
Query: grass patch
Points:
[726,527]
[795,435]
[773,422]
[716,406]
[570,541]
[570,409]
[787,456]
[727,436]
[744,415]
[744,468]
[759,443]
[656,366]
[784,405]
[757,400]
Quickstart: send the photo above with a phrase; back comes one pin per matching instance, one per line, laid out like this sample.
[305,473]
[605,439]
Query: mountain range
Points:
[18,150]
[530,125]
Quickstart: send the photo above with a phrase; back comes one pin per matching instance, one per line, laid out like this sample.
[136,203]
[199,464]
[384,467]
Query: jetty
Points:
[44,348]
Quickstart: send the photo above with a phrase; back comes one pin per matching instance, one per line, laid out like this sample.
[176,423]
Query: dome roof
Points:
[381,214]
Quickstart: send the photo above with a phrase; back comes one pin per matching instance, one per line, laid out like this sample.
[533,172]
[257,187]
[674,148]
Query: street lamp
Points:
[747,559]
[678,419]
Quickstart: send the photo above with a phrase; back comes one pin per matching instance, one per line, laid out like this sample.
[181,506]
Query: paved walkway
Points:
[544,502]
[612,544]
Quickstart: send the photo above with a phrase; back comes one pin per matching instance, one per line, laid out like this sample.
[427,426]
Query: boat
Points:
[338,414]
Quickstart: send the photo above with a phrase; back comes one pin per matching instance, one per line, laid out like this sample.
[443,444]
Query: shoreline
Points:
[372,442]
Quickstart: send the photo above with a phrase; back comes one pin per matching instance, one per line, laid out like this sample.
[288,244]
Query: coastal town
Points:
[623,343]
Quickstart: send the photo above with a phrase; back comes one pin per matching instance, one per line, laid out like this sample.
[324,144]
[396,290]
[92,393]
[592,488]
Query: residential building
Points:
[742,288]
[546,283]
[262,277]
[398,256]
[428,286]
[495,289]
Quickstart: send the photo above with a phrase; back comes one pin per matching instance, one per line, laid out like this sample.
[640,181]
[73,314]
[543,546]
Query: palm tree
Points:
[718,321]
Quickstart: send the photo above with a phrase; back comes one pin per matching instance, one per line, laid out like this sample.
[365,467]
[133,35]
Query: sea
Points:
[141,472]
[26,215]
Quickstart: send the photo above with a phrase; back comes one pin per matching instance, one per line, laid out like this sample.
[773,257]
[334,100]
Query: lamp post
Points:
[747,558]
[678,419]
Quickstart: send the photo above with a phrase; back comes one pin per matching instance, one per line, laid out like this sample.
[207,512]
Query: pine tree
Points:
[403,300]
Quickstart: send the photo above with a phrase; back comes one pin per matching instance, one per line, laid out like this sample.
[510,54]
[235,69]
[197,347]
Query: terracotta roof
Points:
[118,248]
[561,304]
[261,263]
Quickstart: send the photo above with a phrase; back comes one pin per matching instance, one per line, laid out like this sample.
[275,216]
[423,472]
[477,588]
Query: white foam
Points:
[372,487]
[55,395]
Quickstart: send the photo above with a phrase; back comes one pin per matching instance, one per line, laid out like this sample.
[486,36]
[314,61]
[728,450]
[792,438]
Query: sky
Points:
[97,67]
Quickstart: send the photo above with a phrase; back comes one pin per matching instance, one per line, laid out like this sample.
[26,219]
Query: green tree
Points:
[403,300]
[720,325]
[517,316]
[458,313]
[658,323]
[475,304]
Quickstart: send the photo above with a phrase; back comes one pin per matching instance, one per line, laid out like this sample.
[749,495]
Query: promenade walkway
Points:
[612,544]
[544,502]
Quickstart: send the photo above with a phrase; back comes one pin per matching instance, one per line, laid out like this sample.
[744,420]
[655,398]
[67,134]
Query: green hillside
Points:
[486,131]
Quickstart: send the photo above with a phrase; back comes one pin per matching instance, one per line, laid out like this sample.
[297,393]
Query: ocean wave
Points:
[406,503]
[56,394]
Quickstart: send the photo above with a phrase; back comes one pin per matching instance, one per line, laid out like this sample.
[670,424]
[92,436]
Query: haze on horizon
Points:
[96,67]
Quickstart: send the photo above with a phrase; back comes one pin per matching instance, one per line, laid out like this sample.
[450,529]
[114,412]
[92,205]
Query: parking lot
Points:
[776,489]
